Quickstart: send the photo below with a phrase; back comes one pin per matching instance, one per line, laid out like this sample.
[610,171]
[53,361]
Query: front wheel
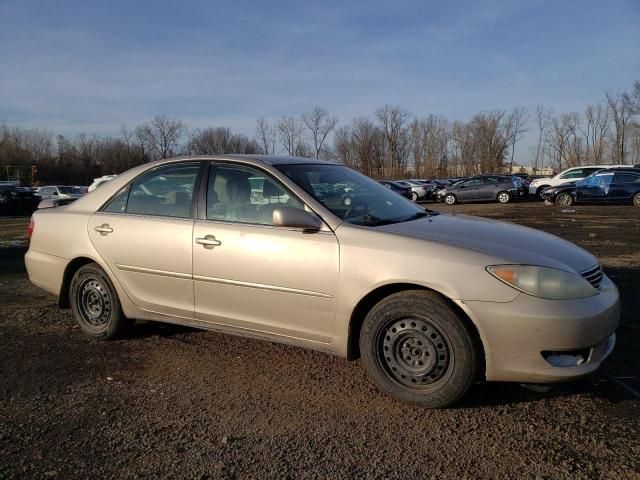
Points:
[636,199]
[414,196]
[564,200]
[504,197]
[95,304]
[450,199]
[416,349]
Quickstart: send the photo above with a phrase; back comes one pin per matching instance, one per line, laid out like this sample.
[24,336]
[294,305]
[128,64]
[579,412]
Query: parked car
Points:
[538,185]
[17,200]
[418,190]
[501,188]
[430,302]
[613,185]
[100,181]
[58,192]
[403,190]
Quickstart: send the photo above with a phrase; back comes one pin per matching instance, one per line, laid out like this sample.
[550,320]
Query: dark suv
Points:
[612,185]
[501,188]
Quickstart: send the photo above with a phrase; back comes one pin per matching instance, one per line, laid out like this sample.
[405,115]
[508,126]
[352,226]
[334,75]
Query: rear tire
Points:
[564,200]
[636,199]
[416,349]
[95,304]
[450,199]
[414,196]
[503,197]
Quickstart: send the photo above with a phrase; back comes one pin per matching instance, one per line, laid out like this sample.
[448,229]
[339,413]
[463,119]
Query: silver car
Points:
[261,246]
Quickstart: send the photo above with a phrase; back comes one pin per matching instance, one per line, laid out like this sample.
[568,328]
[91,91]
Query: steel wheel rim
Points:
[414,353]
[94,303]
[564,199]
[503,197]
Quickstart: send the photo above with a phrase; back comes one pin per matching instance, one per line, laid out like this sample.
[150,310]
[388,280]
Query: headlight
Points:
[543,282]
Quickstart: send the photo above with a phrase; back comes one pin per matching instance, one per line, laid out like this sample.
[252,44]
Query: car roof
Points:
[620,169]
[269,159]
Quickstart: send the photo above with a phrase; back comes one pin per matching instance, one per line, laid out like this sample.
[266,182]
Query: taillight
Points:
[31,227]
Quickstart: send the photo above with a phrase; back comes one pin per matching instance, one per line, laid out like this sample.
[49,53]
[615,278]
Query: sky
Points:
[80,66]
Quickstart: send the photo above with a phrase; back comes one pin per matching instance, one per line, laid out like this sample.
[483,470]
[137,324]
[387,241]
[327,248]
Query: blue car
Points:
[611,185]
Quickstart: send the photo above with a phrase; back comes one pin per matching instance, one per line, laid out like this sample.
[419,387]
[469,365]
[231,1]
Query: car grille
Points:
[593,276]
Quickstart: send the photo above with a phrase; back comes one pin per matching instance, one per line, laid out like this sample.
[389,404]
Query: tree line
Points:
[392,142]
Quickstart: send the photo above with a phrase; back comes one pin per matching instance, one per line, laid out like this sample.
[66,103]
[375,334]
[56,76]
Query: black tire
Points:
[416,349]
[503,197]
[450,199]
[414,196]
[564,199]
[95,304]
[636,199]
[540,190]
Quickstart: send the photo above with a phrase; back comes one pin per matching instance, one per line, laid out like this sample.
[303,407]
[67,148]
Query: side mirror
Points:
[296,218]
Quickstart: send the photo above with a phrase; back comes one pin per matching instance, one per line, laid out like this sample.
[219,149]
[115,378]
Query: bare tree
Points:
[515,128]
[290,133]
[266,136]
[621,107]
[161,135]
[319,123]
[393,121]
[596,131]
[544,119]
[220,140]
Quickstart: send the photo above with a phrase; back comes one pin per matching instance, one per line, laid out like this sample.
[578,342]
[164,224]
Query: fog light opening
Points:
[566,359]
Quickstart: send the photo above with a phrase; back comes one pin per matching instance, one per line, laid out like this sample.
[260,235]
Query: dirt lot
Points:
[174,402]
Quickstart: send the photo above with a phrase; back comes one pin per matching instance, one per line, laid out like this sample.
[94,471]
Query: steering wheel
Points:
[355,204]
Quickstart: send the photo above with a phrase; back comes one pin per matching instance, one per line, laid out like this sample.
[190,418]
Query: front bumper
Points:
[515,334]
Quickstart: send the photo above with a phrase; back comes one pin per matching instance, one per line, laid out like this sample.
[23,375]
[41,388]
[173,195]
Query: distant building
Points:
[546,171]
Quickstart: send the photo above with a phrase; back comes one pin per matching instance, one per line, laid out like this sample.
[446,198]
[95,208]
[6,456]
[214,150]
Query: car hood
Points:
[513,243]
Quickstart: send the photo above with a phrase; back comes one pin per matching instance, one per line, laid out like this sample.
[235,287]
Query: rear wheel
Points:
[636,199]
[95,304]
[416,349]
[504,197]
[564,199]
[450,199]
[414,196]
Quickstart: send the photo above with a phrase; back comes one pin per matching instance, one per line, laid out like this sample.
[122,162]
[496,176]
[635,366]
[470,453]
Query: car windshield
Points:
[353,197]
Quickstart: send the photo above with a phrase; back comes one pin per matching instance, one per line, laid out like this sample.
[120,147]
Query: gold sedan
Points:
[315,254]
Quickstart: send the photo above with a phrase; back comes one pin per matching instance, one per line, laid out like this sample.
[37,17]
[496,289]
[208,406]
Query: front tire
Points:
[564,200]
[416,349]
[636,199]
[95,304]
[450,199]
[503,197]
[414,196]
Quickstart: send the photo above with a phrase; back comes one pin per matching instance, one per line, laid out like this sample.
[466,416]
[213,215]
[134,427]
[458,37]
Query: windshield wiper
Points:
[417,215]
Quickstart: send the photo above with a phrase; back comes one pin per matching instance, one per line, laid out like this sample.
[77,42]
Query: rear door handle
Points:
[104,229]
[208,241]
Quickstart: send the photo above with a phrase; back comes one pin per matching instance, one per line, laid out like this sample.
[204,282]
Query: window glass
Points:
[626,178]
[473,183]
[490,180]
[118,204]
[597,181]
[245,195]
[165,192]
[575,173]
[351,196]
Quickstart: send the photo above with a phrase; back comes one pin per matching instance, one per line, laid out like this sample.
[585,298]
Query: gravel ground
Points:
[174,402]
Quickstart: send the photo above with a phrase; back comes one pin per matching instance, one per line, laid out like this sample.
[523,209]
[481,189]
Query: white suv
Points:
[569,175]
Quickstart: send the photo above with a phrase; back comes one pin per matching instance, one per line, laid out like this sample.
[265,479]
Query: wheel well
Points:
[72,268]
[372,298]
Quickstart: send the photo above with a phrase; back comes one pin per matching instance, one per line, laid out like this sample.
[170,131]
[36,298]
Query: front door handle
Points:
[104,229]
[208,241]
